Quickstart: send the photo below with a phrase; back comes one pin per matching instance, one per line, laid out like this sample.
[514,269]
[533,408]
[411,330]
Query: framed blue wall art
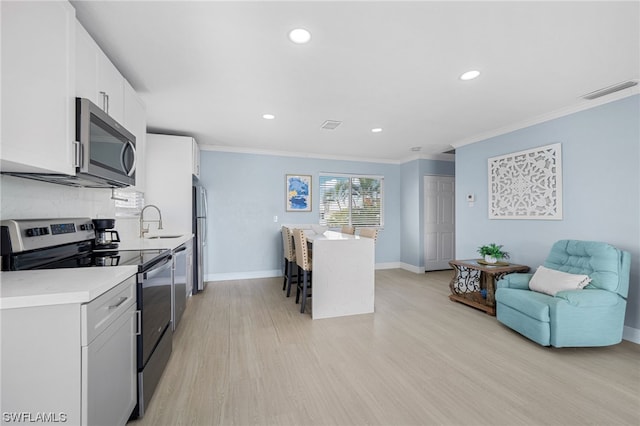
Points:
[298,193]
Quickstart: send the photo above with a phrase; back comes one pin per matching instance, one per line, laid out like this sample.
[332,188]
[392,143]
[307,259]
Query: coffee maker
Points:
[106,237]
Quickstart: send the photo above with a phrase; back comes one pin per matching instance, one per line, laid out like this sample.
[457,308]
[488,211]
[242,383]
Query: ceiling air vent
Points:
[330,124]
[611,89]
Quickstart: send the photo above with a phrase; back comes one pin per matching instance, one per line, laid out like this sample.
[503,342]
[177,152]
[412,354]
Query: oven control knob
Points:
[44,231]
[33,232]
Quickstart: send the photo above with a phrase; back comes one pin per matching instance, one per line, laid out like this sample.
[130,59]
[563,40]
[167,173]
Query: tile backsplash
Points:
[30,199]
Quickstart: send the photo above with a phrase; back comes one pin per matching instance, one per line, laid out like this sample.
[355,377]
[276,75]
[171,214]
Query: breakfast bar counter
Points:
[343,274]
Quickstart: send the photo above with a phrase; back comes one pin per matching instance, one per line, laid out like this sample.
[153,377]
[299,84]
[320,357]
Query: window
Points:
[128,202]
[351,200]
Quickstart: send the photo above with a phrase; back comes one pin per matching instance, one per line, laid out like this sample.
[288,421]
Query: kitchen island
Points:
[343,274]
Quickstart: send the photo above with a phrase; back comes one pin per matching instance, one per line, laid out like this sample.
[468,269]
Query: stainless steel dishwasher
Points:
[179,287]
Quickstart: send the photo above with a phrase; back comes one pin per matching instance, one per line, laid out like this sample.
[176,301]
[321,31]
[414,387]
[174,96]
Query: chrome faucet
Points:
[144,230]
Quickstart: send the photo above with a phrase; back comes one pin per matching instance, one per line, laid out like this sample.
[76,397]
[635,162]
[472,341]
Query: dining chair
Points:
[351,230]
[304,262]
[289,260]
[369,233]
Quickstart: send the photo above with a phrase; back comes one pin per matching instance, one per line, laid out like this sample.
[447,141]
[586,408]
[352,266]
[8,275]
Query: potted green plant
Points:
[492,253]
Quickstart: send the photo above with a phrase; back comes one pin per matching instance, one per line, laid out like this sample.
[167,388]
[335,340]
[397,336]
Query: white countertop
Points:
[331,235]
[22,289]
[155,243]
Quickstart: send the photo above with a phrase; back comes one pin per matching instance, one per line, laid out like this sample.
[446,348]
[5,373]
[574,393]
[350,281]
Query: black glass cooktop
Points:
[82,255]
[143,258]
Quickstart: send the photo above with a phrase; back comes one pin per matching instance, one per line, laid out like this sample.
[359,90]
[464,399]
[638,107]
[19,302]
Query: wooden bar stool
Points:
[289,261]
[369,233]
[351,230]
[304,261]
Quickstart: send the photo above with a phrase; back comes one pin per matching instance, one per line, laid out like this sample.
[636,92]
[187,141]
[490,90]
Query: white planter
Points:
[490,259]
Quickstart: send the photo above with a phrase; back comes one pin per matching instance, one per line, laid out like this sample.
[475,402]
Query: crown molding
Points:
[582,106]
[245,150]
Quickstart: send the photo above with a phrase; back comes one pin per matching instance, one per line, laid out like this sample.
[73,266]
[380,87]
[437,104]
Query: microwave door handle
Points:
[122,153]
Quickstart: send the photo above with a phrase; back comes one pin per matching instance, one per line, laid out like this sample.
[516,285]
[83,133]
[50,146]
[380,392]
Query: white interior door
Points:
[439,222]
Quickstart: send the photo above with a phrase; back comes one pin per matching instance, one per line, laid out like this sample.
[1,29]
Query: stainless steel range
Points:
[70,243]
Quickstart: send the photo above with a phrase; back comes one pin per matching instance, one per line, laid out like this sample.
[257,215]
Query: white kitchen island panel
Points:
[343,275]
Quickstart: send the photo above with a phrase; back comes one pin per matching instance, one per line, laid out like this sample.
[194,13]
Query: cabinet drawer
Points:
[102,311]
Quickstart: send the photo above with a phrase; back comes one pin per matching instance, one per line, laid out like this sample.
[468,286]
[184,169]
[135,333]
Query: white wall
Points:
[29,199]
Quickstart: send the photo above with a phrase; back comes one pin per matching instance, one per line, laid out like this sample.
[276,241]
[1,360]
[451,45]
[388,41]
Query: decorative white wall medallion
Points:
[526,184]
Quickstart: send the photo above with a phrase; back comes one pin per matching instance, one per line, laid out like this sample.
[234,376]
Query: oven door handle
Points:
[161,264]
[138,322]
[119,302]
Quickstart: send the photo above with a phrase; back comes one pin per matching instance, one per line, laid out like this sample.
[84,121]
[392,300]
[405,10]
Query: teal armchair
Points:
[592,316]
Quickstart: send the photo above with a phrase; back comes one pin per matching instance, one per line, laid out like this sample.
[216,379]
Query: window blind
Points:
[354,200]
[128,202]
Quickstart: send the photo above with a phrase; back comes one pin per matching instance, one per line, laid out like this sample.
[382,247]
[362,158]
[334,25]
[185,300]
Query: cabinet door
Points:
[40,362]
[169,181]
[97,79]
[196,159]
[86,65]
[110,88]
[109,390]
[135,121]
[38,86]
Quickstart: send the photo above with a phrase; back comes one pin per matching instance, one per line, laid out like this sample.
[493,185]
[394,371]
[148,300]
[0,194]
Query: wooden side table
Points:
[472,277]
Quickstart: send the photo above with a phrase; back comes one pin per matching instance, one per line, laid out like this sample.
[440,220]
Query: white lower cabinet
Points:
[109,360]
[72,363]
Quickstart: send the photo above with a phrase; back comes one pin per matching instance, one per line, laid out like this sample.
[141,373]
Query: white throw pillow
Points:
[550,281]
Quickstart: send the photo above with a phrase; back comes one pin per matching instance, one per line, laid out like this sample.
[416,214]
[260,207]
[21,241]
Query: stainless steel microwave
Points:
[106,150]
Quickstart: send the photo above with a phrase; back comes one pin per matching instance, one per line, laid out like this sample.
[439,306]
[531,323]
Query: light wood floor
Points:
[244,355]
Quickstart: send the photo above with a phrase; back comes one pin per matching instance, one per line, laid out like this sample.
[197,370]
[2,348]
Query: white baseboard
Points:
[278,273]
[631,334]
[390,265]
[412,268]
[243,275]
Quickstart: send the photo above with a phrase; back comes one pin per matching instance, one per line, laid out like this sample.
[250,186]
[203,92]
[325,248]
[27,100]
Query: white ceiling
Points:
[211,69]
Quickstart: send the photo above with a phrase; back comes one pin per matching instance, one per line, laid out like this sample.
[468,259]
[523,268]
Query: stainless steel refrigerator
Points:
[199,222]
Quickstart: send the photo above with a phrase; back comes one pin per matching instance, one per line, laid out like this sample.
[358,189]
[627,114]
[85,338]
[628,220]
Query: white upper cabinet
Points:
[195,161]
[135,121]
[169,170]
[38,87]
[110,88]
[86,65]
[97,79]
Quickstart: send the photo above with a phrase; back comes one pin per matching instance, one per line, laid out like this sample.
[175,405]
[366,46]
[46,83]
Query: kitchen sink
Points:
[155,237]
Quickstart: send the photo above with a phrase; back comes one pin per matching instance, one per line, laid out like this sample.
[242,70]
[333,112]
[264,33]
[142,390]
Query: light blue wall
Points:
[247,190]
[410,213]
[601,189]
[412,225]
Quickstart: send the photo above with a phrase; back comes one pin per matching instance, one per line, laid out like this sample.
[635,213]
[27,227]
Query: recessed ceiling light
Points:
[268,116]
[470,75]
[299,36]
[416,148]
[376,130]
